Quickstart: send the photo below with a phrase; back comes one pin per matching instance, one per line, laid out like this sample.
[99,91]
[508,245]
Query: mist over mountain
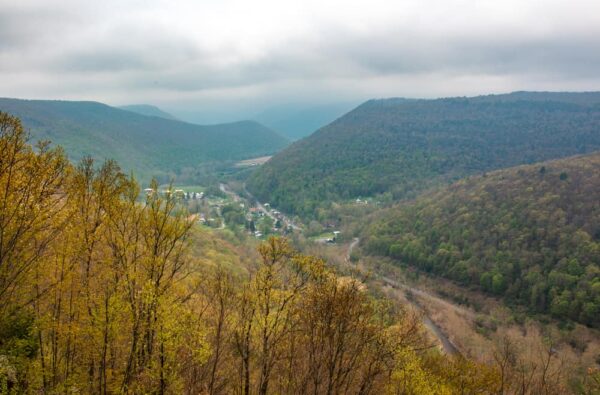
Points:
[296,122]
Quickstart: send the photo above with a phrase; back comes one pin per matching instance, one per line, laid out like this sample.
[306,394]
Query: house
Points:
[180,193]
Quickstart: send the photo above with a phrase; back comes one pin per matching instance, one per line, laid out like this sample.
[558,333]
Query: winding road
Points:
[447,345]
[354,243]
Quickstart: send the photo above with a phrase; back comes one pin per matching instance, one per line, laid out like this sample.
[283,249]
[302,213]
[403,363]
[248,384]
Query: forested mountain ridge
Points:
[150,146]
[529,234]
[403,146]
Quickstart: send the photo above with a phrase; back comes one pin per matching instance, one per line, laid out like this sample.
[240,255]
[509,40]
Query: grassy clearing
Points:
[324,235]
[253,161]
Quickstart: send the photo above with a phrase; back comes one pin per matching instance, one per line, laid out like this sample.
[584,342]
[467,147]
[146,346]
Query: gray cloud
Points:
[231,60]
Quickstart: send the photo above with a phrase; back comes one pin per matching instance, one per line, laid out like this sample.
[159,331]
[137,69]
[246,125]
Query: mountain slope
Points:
[146,109]
[530,234]
[150,146]
[404,146]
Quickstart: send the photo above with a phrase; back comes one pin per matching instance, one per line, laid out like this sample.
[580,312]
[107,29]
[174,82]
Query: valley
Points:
[300,197]
[481,270]
[495,311]
[217,221]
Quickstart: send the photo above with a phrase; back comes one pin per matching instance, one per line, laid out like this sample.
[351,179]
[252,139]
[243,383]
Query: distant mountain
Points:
[530,234]
[404,146]
[296,123]
[146,109]
[150,146]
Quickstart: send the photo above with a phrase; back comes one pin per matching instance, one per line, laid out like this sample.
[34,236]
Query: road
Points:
[447,345]
[354,243]
[229,192]
[286,221]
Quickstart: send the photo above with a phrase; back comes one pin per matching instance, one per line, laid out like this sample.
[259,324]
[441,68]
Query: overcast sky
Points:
[228,59]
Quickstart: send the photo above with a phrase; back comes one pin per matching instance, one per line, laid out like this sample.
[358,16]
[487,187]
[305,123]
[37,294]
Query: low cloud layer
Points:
[222,60]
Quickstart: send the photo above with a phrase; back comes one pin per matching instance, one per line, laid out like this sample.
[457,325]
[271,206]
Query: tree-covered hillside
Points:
[404,146]
[530,234]
[150,146]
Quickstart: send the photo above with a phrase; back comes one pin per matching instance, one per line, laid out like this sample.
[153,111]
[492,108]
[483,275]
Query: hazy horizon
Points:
[209,62]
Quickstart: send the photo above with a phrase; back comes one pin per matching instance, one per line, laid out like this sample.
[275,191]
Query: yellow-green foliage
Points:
[103,293]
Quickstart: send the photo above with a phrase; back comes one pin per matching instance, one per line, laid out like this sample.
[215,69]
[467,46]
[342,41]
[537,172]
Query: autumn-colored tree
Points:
[31,207]
[32,213]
